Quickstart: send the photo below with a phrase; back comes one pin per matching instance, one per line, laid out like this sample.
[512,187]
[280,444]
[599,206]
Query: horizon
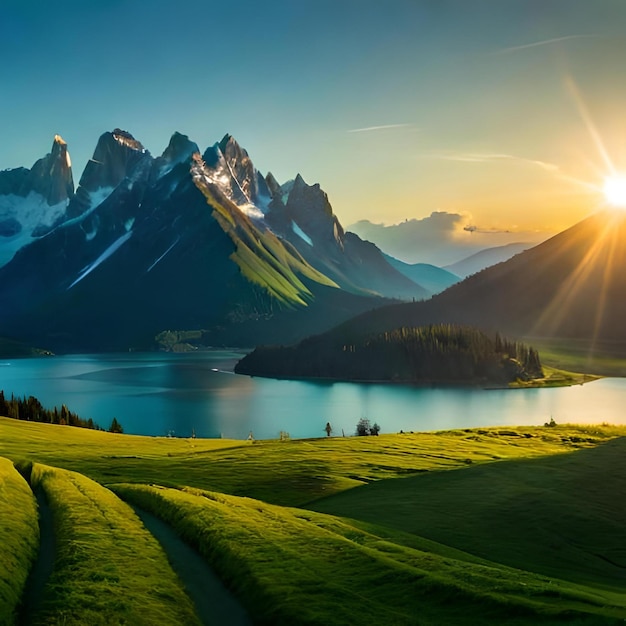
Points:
[509,117]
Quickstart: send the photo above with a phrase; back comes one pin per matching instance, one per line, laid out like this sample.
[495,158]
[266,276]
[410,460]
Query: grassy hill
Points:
[234,502]
[562,516]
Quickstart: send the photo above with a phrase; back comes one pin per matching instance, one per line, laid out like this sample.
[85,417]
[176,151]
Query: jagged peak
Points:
[60,154]
[124,138]
[299,182]
[180,149]
[232,150]
[273,185]
[227,140]
[180,146]
[51,176]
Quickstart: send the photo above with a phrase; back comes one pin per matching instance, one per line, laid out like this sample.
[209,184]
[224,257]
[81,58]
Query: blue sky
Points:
[398,109]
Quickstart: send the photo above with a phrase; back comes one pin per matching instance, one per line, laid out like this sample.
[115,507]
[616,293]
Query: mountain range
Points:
[187,240]
[570,287]
[202,241]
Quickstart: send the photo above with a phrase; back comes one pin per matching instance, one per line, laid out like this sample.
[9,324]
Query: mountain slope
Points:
[303,215]
[33,202]
[570,286]
[486,258]
[153,244]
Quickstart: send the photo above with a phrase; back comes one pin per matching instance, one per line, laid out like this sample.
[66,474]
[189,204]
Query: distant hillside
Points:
[434,354]
[10,349]
[486,258]
[569,287]
[434,279]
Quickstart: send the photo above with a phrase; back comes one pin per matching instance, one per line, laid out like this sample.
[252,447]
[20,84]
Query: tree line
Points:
[30,409]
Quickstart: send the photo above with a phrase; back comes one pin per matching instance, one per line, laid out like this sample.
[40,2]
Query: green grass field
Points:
[108,568]
[290,473]
[19,539]
[582,356]
[561,515]
[497,525]
[555,377]
[297,567]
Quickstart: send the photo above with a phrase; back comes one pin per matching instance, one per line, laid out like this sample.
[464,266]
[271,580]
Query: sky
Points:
[509,113]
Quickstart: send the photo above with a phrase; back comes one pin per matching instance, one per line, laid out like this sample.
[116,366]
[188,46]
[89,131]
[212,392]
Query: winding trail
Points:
[43,566]
[214,604]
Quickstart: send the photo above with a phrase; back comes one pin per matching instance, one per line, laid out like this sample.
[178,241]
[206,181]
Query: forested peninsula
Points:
[433,354]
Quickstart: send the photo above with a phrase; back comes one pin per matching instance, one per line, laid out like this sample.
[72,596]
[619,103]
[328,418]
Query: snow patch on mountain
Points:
[163,255]
[112,249]
[90,228]
[96,198]
[298,231]
[252,211]
[26,214]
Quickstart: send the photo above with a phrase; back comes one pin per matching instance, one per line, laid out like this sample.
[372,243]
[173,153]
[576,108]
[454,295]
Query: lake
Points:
[161,394]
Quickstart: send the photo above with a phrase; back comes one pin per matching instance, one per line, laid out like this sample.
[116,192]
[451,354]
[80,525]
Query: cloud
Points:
[491,157]
[544,42]
[383,127]
[442,238]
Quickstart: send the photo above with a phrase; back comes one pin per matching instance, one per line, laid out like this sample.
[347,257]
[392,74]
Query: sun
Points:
[615,190]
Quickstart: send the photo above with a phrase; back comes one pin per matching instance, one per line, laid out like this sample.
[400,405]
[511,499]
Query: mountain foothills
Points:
[569,287]
[184,241]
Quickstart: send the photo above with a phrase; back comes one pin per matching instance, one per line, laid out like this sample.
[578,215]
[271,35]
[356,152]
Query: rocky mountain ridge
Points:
[181,241]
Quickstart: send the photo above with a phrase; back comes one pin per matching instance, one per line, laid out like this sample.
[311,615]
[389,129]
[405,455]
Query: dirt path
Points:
[44,564]
[214,604]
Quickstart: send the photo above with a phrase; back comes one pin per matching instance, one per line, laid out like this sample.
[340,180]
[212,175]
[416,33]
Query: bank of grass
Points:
[577,355]
[441,518]
[108,568]
[555,377]
[562,515]
[291,566]
[290,473]
[19,539]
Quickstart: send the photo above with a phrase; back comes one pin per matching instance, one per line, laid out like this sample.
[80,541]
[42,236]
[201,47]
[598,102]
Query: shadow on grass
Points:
[561,516]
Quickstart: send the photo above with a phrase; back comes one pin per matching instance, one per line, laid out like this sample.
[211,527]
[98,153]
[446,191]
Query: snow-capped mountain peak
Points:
[33,202]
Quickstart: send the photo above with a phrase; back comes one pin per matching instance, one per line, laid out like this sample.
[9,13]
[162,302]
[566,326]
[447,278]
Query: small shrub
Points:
[364,428]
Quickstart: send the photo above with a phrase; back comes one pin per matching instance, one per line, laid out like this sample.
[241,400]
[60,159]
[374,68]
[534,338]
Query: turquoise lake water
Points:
[161,394]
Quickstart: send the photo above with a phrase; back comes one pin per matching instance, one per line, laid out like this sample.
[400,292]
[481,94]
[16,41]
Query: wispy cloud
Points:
[383,127]
[544,42]
[490,157]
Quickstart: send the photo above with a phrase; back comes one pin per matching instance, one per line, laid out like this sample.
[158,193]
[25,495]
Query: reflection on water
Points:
[155,394]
